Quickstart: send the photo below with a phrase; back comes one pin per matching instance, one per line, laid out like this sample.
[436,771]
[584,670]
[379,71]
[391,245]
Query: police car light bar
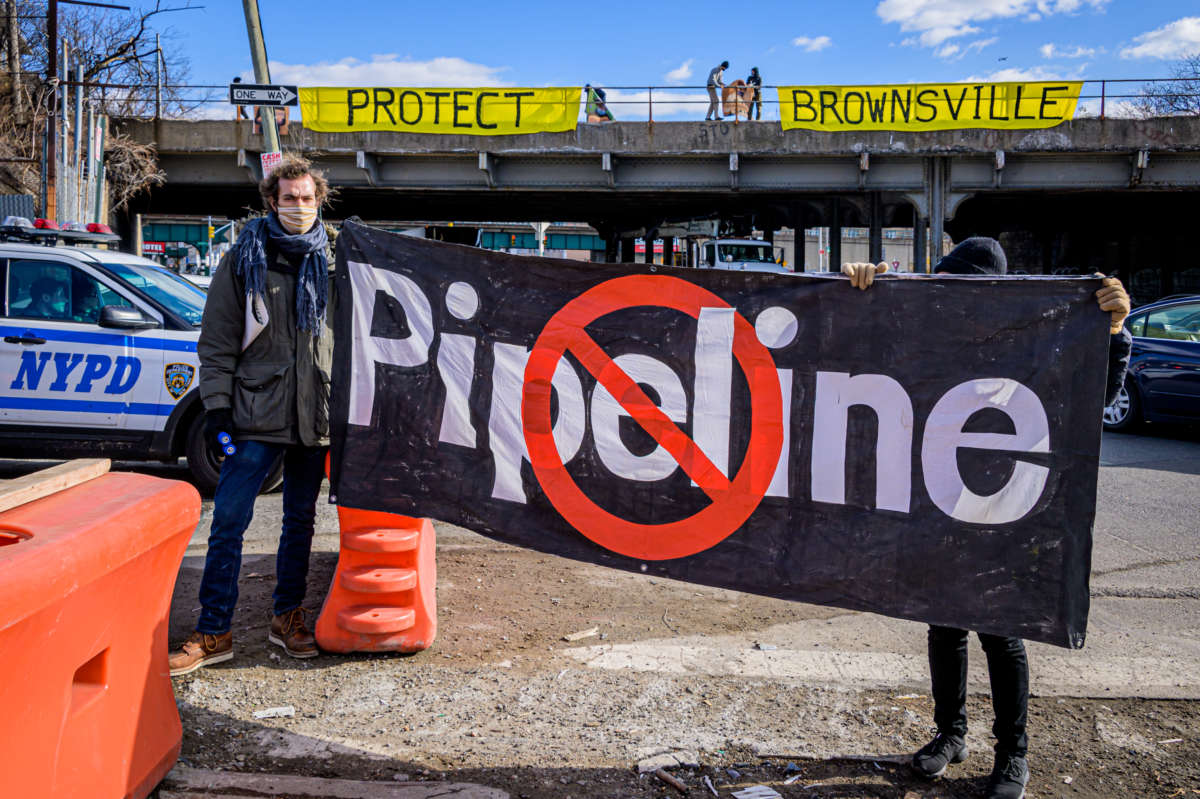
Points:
[49,233]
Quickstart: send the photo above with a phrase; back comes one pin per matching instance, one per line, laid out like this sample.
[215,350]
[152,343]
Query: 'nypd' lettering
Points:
[124,371]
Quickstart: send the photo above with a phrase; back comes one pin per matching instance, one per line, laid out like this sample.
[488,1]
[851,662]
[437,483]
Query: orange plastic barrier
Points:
[86,576]
[382,598]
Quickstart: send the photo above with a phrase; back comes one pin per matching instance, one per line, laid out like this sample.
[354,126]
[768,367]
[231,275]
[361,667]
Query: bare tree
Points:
[119,52]
[1179,97]
[123,49]
[130,169]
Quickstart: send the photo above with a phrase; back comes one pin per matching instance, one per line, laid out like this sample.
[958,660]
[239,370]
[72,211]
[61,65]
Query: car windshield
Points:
[746,252]
[171,291]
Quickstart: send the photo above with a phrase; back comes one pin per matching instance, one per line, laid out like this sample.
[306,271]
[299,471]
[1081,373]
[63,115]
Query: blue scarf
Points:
[312,278]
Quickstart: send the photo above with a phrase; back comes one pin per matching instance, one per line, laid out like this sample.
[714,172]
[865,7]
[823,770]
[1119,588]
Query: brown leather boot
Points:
[290,632]
[201,649]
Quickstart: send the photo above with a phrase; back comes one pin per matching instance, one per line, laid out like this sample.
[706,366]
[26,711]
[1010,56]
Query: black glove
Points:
[217,421]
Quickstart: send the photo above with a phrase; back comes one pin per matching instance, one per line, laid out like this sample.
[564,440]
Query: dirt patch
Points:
[499,701]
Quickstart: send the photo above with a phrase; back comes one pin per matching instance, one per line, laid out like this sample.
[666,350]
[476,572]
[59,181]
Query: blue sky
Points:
[475,43]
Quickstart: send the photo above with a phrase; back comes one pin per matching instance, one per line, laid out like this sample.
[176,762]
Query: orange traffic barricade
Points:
[382,598]
[86,577]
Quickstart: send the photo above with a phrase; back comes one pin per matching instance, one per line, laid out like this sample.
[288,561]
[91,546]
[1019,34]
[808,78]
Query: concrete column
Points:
[835,236]
[875,243]
[668,251]
[799,221]
[920,246]
[648,255]
[937,207]
[612,249]
[627,254]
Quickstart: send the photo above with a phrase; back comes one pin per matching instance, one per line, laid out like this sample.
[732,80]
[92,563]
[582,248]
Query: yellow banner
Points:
[928,106]
[477,112]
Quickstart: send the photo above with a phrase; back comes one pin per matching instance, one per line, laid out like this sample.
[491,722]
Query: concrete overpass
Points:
[1080,195]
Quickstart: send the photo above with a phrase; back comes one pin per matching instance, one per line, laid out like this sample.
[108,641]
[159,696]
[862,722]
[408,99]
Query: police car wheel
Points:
[205,466]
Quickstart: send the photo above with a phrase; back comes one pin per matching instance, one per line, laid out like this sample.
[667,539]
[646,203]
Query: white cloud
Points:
[936,21]
[217,110]
[1016,74]
[680,73]
[979,44]
[812,44]
[1051,50]
[1173,40]
[387,70]
[1119,109]
[954,52]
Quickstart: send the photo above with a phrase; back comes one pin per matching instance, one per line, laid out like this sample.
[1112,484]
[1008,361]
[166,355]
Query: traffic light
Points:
[211,230]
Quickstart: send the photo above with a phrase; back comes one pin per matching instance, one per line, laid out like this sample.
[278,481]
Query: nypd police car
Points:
[98,357]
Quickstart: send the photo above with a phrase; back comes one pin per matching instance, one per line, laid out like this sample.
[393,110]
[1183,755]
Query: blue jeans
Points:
[242,476]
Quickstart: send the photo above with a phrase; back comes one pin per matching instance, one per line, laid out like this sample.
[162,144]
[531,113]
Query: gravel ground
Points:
[501,700]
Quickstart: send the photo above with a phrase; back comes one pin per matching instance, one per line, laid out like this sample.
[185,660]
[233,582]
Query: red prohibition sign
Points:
[732,500]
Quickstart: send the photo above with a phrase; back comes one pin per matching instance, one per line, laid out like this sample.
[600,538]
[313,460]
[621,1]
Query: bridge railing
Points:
[1101,98]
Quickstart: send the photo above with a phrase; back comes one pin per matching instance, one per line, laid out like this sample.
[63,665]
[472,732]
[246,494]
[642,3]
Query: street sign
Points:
[262,94]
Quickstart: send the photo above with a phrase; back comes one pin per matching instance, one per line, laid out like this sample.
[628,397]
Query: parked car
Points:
[99,358]
[1163,384]
[201,281]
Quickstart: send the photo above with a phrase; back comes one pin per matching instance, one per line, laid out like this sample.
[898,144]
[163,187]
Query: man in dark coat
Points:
[1008,665]
[266,348]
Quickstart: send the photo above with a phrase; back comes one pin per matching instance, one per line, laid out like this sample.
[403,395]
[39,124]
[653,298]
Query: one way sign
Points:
[259,94]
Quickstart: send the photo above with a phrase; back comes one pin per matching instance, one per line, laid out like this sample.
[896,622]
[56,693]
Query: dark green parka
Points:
[278,388]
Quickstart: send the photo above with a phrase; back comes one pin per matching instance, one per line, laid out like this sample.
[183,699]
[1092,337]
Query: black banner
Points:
[926,449]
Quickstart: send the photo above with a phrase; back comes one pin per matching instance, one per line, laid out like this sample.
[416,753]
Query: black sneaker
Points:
[1008,778]
[931,760]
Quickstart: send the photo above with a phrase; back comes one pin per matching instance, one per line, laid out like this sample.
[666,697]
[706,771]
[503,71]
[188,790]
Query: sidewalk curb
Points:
[191,783]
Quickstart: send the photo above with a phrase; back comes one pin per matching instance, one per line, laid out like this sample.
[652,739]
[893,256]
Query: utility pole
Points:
[158,82]
[101,207]
[77,150]
[64,153]
[49,204]
[14,60]
[262,74]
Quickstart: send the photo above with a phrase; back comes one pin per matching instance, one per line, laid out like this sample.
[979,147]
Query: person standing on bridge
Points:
[240,113]
[755,84]
[1008,665]
[266,348]
[715,82]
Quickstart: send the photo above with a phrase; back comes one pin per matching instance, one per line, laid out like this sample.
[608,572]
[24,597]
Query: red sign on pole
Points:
[154,248]
[269,162]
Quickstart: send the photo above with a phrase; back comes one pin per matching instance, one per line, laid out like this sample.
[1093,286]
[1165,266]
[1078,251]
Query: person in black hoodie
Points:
[1008,666]
[755,82]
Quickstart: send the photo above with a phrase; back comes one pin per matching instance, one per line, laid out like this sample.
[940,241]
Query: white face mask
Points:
[296,219]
